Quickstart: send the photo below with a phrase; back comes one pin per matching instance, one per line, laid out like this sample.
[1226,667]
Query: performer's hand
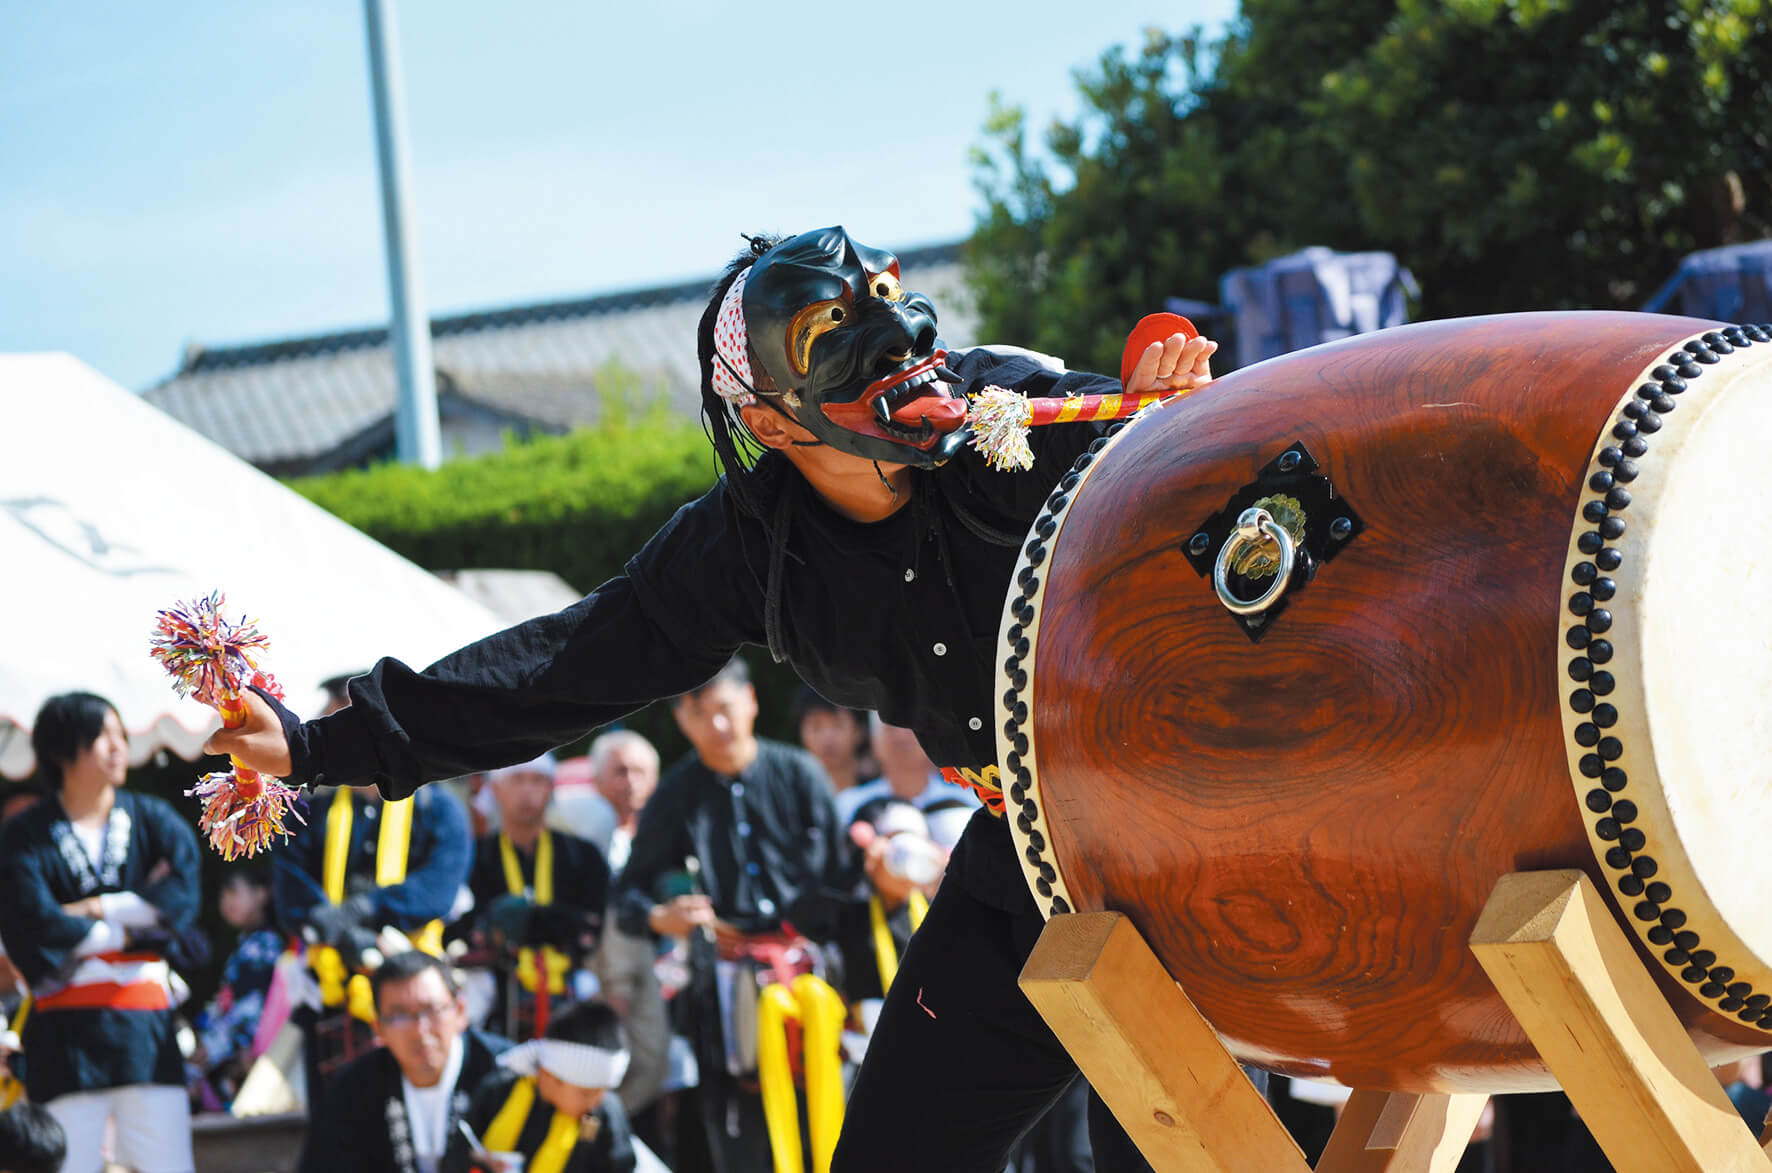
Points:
[1178,363]
[681,916]
[259,743]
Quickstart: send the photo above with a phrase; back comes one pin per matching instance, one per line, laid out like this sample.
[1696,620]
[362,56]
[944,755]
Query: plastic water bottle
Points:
[908,856]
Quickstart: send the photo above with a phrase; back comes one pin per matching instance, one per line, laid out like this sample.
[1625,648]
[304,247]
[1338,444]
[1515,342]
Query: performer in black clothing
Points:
[539,895]
[393,1109]
[856,537]
[750,825]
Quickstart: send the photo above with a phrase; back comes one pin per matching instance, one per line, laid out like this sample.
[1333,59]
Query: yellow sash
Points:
[12,1088]
[507,1127]
[818,1009]
[557,964]
[885,952]
[392,844]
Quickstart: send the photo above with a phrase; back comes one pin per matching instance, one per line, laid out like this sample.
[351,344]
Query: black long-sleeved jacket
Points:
[899,615]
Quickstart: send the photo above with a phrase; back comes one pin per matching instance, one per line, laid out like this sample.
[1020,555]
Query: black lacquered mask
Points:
[854,357]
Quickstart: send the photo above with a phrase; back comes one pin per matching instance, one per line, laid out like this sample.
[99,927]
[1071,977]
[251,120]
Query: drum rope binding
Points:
[1015,746]
[1599,751]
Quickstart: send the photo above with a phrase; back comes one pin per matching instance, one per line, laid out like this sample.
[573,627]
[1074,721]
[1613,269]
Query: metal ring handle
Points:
[1252,526]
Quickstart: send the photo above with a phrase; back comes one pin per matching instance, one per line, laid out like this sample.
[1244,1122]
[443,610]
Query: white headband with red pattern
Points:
[732,354]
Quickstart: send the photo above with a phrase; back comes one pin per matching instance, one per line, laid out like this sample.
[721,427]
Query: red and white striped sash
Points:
[113,981]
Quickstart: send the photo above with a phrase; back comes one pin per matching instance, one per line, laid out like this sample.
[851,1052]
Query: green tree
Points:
[1515,154]
[1525,154]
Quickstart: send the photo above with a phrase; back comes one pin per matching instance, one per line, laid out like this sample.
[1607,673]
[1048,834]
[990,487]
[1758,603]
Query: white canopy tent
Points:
[111,510]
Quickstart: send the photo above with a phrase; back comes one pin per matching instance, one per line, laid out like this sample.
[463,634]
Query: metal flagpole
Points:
[416,438]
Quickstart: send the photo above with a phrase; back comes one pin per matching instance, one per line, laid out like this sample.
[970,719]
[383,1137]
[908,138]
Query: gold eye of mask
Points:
[812,322]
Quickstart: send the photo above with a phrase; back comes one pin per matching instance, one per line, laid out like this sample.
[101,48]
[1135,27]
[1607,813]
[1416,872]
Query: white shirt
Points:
[427,1110]
[621,845]
[580,810]
[93,840]
[119,910]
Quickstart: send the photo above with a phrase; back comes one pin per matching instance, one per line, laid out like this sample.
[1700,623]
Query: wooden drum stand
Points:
[1555,954]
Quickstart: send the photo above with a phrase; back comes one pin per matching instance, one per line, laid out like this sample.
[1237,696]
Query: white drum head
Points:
[1666,667]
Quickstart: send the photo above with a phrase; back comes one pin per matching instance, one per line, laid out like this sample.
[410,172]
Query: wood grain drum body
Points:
[1544,640]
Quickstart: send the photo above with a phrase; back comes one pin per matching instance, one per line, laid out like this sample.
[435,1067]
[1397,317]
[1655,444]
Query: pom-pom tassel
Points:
[204,653]
[243,811]
[999,420]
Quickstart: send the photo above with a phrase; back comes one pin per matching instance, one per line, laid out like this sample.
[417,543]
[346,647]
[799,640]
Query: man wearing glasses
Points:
[395,1107]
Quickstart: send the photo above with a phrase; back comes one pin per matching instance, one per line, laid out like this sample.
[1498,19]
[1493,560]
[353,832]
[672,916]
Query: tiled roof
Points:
[286,405]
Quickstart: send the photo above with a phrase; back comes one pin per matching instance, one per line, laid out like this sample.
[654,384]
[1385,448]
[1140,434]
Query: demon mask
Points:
[853,356]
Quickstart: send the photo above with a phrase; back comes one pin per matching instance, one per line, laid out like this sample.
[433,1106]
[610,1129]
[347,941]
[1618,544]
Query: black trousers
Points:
[1059,1141]
[961,1064]
[738,1134]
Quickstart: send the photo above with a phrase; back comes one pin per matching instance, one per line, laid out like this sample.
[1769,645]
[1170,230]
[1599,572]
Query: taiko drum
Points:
[1295,668]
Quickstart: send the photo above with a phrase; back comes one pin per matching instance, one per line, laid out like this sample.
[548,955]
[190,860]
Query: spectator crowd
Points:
[584,964]
[562,965]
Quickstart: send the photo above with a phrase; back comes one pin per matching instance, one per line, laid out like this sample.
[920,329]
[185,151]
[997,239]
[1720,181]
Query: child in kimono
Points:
[552,1103]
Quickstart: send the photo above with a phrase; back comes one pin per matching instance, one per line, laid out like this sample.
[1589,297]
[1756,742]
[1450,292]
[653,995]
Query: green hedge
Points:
[579,505]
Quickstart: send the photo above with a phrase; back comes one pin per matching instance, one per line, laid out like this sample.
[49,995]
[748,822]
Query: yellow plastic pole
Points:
[329,968]
[360,999]
[821,1033]
[781,1108]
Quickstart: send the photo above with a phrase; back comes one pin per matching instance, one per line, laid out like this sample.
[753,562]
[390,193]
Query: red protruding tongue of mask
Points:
[945,413]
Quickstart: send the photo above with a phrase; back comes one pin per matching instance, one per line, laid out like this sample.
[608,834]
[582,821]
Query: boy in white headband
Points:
[552,1103]
[857,536]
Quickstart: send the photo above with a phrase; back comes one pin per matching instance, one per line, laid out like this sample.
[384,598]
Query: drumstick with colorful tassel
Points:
[1000,418]
[243,811]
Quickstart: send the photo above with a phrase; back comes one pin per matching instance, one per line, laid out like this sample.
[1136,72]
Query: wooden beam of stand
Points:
[1401,1132]
[1566,969]
[1149,1054]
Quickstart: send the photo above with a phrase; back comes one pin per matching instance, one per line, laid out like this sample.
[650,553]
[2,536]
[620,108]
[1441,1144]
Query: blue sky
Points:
[205,171]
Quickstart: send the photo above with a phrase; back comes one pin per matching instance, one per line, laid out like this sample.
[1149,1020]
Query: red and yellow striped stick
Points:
[1086,408]
[1000,419]
[248,781]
